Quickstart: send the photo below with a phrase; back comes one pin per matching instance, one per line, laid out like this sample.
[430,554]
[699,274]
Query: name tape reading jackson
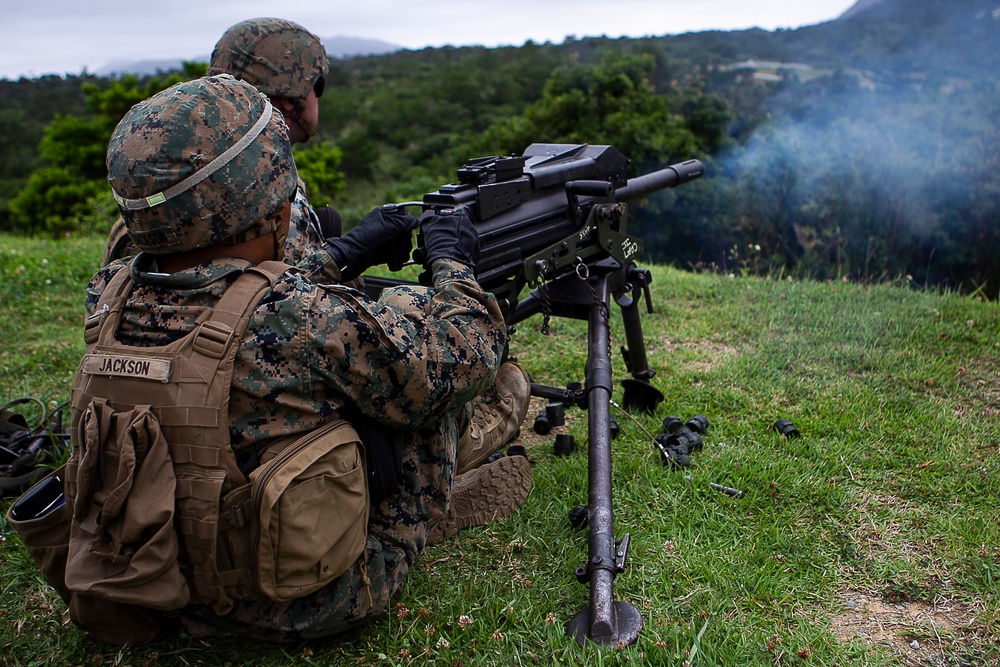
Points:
[117,365]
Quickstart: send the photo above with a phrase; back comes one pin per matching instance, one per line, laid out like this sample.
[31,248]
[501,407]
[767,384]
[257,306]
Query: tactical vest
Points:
[162,514]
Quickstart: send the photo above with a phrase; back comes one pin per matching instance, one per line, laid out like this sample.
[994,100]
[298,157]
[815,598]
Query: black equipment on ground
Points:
[28,453]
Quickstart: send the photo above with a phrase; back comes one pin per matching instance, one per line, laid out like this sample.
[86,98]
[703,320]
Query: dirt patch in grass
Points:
[916,618]
[982,377]
[700,356]
[917,632]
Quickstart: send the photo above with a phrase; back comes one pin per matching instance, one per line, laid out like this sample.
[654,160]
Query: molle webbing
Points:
[191,407]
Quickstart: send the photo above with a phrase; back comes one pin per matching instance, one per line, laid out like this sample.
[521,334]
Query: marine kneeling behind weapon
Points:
[213,480]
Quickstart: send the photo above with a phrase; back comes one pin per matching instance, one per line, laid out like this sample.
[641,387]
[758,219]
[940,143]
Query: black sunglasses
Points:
[319,86]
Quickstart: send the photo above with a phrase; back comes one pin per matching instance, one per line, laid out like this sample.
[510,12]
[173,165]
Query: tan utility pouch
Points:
[309,504]
[122,545]
[42,519]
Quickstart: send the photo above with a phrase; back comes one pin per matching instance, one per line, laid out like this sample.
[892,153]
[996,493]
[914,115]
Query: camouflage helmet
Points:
[199,164]
[279,57]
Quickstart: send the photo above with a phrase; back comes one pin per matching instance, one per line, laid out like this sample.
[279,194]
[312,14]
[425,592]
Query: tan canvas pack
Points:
[161,516]
[308,505]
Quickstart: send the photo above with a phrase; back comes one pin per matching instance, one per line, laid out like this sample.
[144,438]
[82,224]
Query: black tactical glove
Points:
[449,234]
[382,237]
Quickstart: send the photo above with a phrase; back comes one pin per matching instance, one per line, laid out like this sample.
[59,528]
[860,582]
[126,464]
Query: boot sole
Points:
[499,489]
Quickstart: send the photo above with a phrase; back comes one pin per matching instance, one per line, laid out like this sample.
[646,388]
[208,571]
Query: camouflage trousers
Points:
[397,533]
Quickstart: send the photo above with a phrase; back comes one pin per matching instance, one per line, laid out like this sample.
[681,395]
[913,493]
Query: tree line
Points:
[821,169]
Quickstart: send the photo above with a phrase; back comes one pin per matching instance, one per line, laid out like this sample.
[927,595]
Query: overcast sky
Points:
[40,37]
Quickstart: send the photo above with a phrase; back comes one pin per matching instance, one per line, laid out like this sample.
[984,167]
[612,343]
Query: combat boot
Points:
[494,490]
[496,417]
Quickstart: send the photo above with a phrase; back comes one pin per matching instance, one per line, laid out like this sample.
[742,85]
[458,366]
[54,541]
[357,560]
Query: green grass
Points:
[876,528]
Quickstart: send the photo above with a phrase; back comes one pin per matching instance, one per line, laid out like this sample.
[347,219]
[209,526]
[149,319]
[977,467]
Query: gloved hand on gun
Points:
[384,236]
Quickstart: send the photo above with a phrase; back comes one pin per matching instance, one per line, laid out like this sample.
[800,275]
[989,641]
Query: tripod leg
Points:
[604,621]
[639,393]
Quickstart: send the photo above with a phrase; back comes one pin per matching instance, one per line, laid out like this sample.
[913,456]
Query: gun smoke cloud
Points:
[860,174]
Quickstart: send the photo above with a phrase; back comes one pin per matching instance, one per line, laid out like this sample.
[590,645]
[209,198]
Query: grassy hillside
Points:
[873,539]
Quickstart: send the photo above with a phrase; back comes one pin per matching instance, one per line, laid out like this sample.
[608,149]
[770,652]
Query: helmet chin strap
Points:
[273,225]
[298,119]
[279,235]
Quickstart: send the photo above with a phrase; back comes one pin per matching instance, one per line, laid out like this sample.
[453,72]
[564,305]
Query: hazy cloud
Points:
[67,36]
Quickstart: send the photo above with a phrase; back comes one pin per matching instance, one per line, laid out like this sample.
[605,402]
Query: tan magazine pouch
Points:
[309,505]
[42,519]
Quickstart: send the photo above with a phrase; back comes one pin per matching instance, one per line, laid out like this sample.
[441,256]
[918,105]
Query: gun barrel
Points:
[668,177]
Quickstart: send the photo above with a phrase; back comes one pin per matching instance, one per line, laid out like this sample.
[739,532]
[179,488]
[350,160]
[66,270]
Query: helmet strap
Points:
[246,235]
[298,117]
[221,160]
[272,226]
[279,235]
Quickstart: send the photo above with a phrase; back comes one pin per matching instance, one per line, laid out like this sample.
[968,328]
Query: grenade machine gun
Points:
[554,220]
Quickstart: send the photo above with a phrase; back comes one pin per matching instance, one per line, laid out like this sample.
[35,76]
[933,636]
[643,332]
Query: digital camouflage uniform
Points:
[312,349]
[304,235]
[408,361]
[281,59]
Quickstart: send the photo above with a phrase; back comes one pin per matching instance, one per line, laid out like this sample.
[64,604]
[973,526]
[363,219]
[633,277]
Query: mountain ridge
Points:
[340,46]
[857,8]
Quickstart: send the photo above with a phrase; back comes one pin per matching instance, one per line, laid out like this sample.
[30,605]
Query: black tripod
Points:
[584,294]
[576,278]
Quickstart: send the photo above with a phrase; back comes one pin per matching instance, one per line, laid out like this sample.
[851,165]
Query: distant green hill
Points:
[862,147]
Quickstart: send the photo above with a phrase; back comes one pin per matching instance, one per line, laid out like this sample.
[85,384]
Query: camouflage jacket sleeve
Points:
[405,359]
[305,236]
[97,284]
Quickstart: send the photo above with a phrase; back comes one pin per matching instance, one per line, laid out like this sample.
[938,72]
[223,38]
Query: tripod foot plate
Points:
[641,395]
[628,623]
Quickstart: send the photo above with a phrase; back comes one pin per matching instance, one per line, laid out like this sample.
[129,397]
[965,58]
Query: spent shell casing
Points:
[728,490]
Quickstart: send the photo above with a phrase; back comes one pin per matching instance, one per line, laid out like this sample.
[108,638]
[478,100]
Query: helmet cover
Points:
[198,163]
[279,57]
